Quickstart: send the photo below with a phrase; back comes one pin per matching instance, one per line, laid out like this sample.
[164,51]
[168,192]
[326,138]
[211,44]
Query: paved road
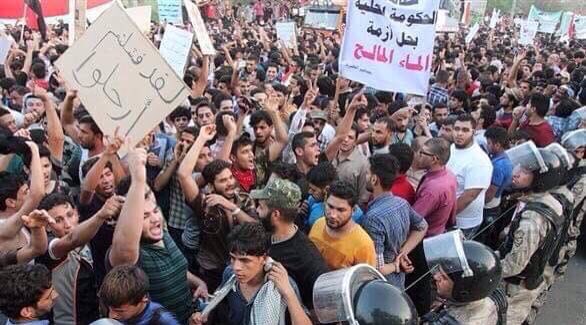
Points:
[566,303]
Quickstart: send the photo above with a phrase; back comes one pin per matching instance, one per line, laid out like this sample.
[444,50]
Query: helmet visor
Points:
[575,139]
[527,156]
[566,159]
[446,251]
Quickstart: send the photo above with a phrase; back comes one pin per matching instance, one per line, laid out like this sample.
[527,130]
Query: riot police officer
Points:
[556,265]
[360,295]
[534,229]
[575,143]
[466,275]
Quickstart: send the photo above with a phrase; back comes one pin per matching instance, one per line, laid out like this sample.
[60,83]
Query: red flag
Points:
[34,16]
[572,29]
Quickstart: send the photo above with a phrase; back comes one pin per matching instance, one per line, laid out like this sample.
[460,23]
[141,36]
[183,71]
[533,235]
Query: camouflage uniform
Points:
[527,239]
[481,312]
[579,191]
[552,272]
[279,193]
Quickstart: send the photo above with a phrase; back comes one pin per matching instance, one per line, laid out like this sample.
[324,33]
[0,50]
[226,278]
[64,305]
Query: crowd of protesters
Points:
[277,170]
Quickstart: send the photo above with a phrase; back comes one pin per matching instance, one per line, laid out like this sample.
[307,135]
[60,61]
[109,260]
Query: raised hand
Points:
[37,219]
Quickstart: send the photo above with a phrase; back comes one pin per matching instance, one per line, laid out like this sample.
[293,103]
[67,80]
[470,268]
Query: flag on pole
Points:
[34,17]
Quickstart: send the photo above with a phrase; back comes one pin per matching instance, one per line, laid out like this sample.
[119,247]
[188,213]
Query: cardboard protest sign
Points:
[389,46]
[175,47]
[170,11]
[287,32]
[203,38]
[141,17]
[527,32]
[472,33]
[120,76]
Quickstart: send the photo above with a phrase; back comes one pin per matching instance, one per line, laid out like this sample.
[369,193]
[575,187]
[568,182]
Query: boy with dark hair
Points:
[26,294]
[69,257]
[124,295]
[261,288]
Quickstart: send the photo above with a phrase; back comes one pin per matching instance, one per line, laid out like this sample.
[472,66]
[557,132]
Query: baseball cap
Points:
[317,114]
[279,193]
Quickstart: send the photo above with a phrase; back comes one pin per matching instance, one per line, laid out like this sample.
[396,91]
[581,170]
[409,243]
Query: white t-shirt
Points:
[473,170]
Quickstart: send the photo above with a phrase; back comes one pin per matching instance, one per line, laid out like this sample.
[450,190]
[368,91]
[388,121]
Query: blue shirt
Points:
[145,318]
[388,220]
[317,210]
[502,173]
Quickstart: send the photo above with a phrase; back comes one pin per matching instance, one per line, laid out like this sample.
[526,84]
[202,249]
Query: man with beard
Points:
[473,170]
[393,225]
[267,148]
[216,213]
[140,238]
[440,113]
[27,294]
[341,241]
[277,209]
[88,135]
[402,132]
[352,165]
[381,135]
[447,129]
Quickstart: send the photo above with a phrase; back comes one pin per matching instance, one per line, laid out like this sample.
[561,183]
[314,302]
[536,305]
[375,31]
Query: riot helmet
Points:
[575,140]
[530,171]
[553,177]
[378,302]
[567,160]
[474,268]
[360,295]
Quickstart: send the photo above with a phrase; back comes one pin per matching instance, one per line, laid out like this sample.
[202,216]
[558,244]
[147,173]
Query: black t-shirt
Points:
[103,238]
[303,262]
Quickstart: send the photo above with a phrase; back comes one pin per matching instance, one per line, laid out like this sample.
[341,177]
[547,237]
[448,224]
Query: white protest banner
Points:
[199,28]
[494,19]
[528,32]
[175,47]
[141,17]
[170,11]
[579,24]
[389,46]
[120,76]
[548,21]
[287,32]
[472,33]
[5,44]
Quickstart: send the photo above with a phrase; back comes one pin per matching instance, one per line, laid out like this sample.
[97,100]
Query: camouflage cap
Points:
[279,193]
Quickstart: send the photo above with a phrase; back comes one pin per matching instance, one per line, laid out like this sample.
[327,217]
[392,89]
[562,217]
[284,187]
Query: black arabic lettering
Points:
[158,84]
[97,78]
[144,109]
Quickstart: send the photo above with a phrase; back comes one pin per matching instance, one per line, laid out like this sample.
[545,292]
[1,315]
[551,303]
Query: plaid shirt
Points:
[437,95]
[178,210]
[388,220]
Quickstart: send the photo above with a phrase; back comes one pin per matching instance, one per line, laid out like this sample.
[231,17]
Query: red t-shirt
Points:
[403,189]
[542,133]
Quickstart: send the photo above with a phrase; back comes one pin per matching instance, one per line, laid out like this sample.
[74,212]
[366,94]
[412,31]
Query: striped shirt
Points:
[166,269]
